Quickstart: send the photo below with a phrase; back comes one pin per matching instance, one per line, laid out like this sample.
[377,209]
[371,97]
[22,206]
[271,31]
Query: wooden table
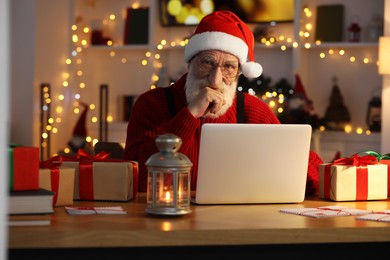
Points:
[222,230]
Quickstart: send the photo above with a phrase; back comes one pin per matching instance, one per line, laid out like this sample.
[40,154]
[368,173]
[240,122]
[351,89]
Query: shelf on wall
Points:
[272,46]
[345,45]
[119,47]
[328,143]
[256,46]
[178,47]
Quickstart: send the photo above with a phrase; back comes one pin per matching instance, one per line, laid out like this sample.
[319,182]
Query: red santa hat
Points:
[224,31]
[299,89]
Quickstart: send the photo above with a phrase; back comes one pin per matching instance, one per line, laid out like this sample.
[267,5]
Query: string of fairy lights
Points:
[81,35]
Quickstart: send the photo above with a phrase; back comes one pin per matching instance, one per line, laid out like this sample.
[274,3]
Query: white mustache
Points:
[193,85]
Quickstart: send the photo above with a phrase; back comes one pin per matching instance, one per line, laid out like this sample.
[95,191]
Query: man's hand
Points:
[208,100]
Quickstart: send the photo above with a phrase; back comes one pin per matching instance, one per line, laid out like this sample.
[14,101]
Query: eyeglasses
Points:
[206,65]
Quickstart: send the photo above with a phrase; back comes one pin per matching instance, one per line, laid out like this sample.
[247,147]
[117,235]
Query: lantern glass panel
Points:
[164,189]
[171,189]
[160,188]
[183,193]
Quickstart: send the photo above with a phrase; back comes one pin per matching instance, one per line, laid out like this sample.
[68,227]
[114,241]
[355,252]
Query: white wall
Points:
[385,133]
[4,87]
[52,48]
[40,38]
[22,71]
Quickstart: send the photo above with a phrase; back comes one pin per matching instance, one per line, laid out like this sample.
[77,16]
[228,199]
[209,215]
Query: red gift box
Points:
[101,178]
[24,167]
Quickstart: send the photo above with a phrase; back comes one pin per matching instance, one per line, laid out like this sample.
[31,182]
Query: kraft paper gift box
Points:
[24,167]
[101,178]
[58,179]
[352,179]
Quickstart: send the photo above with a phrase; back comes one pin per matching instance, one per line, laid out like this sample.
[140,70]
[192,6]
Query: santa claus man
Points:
[221,49]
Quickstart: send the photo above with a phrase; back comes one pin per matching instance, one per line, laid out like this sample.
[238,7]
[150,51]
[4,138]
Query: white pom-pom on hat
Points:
[251,69]
[225,31]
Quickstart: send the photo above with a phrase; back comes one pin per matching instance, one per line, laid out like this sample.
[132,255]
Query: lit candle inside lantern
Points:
[168,197]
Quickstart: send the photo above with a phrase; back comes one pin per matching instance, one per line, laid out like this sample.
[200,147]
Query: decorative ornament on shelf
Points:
[337,115]
[79,136]
[375,28]
[98,34]
[299,108]
[354,30]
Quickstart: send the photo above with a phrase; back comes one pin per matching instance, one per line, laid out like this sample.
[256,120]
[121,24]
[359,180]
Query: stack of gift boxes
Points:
[363,176]
[81,177]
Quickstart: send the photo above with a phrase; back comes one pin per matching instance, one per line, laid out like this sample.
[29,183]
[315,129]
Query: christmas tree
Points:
[337,114]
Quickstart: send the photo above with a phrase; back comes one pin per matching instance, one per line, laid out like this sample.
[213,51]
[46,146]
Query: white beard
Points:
[193,85]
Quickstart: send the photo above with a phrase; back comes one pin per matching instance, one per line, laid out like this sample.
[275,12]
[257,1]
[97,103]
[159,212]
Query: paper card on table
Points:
[116,210]
[326,211]
[382,216]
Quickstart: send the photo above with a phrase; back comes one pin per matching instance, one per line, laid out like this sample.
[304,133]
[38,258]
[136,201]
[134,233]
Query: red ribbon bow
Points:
[82,155]
[51,163]
[356,160]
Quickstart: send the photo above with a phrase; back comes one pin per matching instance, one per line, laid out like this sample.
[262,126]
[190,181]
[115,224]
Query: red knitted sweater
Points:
[150,117]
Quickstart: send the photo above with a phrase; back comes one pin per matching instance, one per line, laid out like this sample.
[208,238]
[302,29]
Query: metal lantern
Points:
[168,190]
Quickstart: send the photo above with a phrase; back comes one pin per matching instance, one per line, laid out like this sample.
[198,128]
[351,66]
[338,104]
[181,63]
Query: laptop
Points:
[252,163]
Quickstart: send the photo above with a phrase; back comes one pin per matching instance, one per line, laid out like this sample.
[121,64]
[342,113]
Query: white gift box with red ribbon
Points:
[352,179]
